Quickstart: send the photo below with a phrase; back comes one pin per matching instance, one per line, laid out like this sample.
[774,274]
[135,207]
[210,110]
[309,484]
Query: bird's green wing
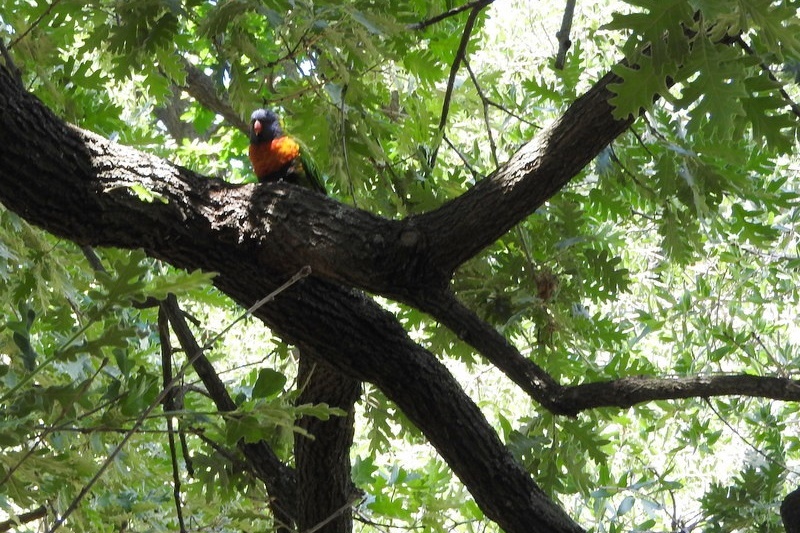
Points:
[313,177]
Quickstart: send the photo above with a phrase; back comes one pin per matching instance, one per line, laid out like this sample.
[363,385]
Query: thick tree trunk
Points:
[326,492]
[77,186]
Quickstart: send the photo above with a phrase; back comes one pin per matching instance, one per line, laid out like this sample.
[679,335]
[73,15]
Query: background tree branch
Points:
[279,479]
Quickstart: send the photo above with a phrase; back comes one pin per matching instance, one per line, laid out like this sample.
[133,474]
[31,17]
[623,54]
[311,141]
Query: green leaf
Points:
[662,25]
[640,84]
[146,195]
[321,410]
[625,505]
[717,90]
[365,21]
[269,383]
[177,282]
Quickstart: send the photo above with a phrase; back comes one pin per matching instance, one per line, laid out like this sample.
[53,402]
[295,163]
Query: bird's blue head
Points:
[264,126]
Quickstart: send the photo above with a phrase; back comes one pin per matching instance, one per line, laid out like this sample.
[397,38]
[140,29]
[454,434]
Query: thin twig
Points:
[475,174]
[97,429]
[449,13]
[292,52]
[460,54]
[300,274]
[169,406]
[507,111]
[630,174]
[747,48]
[237,463]
[484,101]
[35,23]
[641,142]
[489,102]
[747,442]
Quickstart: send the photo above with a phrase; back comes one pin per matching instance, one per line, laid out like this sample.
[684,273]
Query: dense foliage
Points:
[674,254]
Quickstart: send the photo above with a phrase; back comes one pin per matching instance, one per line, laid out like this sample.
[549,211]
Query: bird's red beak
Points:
[257,127]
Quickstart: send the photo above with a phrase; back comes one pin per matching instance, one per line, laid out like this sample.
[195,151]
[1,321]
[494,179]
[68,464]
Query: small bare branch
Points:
[562,35]
[201,87]
[485,103]
[449,13]
[475,174]
[469,327]
[169,406]
[35,23]
[460,55]
[23,518]
[747,441]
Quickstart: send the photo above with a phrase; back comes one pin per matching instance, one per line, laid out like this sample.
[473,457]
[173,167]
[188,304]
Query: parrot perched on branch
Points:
[276,156]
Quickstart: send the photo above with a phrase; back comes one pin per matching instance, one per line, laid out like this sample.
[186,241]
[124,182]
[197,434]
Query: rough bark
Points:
[790,512]
[629,391]
[323,458]
[77,185]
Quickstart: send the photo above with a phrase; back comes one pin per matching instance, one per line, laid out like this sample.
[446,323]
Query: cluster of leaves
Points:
[77,370]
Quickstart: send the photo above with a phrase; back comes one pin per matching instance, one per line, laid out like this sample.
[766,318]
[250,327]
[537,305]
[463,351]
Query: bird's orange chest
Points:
[268,158]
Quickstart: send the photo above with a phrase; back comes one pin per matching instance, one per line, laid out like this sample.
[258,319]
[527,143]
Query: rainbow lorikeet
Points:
[276,156]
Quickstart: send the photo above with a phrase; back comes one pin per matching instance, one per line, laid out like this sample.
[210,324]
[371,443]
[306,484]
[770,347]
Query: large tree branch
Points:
[626,392]
[571,400]
[202,88]
[76,185]
[468,326]
[400,259]
[285,227]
